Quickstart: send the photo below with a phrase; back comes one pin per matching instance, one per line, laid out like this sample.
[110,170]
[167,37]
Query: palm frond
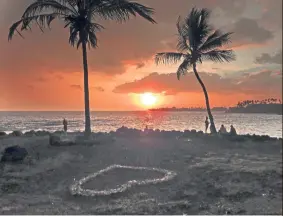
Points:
[182,40]
[93,28]
[216,40]
[121,10]
[219,56]
[78,35]
[42,21]
[40,6]
[168,58]
[13,29]
[183,68]
[74,36]
[72,4]
[197,26]
[92,39]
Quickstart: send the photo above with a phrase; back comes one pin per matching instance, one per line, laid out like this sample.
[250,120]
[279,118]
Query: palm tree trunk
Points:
[86,91]
[212,125]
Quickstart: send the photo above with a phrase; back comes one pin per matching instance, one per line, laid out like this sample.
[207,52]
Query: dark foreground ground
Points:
[214,176]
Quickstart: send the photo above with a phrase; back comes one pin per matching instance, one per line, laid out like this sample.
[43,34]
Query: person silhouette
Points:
[206,124]
[65,125]
[233,131]
[222,130]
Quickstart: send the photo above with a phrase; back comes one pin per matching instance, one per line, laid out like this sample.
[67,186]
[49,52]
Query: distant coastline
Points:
[191,109]
[267,106]
[258,108]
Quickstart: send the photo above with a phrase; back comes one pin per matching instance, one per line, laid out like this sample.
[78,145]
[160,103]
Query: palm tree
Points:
[197,41]
[80,17]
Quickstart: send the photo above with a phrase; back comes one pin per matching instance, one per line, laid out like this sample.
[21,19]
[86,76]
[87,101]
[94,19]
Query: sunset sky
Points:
[43,72]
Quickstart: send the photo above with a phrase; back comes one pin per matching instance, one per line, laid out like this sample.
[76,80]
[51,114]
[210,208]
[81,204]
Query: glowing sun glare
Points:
[148,99]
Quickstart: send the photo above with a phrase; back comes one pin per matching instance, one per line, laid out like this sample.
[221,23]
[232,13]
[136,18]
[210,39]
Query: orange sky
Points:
[42,72]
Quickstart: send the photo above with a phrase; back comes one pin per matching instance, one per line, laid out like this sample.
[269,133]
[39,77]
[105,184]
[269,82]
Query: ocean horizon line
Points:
[14,111]
[71,110]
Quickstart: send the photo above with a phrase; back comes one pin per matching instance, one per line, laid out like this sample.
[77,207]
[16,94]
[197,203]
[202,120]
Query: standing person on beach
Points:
[65,124]
[206,124]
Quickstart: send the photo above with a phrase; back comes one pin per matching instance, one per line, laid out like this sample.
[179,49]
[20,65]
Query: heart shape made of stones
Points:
[76,188]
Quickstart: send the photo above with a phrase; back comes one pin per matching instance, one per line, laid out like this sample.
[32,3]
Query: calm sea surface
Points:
[261,124]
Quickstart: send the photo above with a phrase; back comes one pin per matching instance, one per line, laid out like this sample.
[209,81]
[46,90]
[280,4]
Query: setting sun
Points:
[148,99]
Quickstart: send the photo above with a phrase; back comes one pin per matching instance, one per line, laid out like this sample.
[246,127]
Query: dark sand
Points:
[214,176]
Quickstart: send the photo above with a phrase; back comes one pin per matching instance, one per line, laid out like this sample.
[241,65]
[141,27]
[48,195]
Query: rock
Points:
[266,138]
[58,141]
[2,133]
[41,133]
[186,133]
[263,138]
[122,130]
[235,138]
[30,133]
[189,133]
[17,133]
[155,133]
[131,132]
[166,134]
[104,139]
[58,132]
[87,141]
[112,133]
[54,140]
[14,153]
[147,132]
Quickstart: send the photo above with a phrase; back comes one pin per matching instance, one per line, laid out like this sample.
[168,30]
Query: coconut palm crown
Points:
[198,41]
[80,16]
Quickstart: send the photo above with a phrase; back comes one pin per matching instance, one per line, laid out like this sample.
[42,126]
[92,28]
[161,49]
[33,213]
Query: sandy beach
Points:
[213,175]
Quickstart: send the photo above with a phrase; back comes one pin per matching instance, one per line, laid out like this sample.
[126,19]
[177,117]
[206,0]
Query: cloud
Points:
[266,58]
[265,82]
[59,77]
[95,88]
[98,88]
[50,51]
[140,65]
[41,79]
[261,83]
[168,84]
[248,31]
[272,14]
[78,87]
[135,40]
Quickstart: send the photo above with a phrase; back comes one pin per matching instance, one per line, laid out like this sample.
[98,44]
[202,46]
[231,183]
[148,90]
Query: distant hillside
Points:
[257,108]
[191,109]
[270,106]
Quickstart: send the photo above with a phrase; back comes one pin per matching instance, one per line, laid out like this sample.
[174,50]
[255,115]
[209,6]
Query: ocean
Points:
[260,124]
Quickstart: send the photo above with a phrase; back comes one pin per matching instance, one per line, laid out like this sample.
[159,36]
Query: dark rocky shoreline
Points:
[132,132]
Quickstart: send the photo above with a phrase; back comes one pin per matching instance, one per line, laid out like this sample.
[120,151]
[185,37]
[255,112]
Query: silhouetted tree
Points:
[197,41]
[80,16]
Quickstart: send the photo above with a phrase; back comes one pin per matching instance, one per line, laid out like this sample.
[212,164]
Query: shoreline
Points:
[137,132]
